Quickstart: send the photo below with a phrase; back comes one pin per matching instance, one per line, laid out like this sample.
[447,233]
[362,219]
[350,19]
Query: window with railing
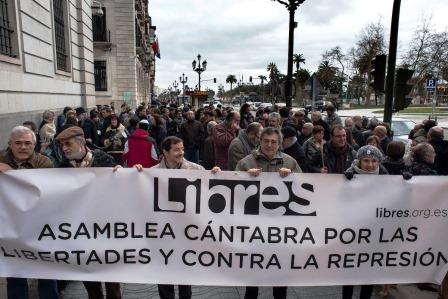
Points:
[6,30]
[138,35]
[60,35]
[100,75]
[100,32]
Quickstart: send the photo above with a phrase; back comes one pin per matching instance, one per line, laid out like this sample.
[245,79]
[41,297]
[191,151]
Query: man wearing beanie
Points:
[78,155]
[292,147]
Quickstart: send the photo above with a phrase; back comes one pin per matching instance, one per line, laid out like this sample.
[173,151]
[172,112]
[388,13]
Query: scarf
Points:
[340,157]
[85,162]
[360,171]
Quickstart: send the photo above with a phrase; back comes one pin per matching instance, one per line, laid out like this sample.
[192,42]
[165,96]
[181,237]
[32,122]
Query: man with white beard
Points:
[78,155]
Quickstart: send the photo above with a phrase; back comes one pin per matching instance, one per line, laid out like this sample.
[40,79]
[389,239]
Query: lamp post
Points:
[175,85]
[199,68]
[183,80]
[292,6]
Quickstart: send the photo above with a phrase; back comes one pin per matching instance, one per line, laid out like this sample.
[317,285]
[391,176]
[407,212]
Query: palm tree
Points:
[273,71]
[231,79]
[298,59]
[301,77]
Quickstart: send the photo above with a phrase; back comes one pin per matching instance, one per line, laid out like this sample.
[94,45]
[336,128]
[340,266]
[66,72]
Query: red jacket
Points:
[139,149]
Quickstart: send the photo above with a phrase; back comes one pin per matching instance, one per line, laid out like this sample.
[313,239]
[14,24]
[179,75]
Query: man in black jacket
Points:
[316,118]
[435,138]
[292,147]
[338,156]
[88,126]
[192,132]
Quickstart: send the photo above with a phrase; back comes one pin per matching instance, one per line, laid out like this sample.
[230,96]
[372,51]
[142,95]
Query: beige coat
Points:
[257,160]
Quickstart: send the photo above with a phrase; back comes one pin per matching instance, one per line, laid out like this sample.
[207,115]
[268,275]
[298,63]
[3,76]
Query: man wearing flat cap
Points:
[78,155]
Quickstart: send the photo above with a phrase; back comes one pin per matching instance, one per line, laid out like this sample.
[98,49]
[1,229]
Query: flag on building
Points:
[156,48]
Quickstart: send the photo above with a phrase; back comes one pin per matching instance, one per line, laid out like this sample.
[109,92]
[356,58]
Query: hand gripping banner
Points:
[194,227]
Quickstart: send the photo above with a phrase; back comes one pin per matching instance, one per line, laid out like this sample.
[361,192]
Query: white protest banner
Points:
[192,227]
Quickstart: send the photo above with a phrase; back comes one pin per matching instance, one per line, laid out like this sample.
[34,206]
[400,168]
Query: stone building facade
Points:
[46,59]
[124,58]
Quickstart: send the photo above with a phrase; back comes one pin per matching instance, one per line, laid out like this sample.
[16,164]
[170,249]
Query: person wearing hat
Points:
[368,162]
[292,147]
[77,155]
[332,117]
[140,148]
[20,154]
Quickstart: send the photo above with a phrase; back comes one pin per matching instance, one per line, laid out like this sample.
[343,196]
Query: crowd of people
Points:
[218,139]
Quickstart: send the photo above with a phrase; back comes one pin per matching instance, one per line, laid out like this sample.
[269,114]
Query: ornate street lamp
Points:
[175,85]
[292,6]
[199,68]
[183,80]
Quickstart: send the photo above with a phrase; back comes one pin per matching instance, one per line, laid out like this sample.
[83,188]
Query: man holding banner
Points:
[77,155]
[20,155]
[268,158]
[173,158]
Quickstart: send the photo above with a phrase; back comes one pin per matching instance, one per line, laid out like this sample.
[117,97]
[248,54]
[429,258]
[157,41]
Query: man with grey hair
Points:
[20,154]
[208,156]
[78,155]
[241,146]
[274,120]
[348,122]
[381,132]
[306,133]
[268,158]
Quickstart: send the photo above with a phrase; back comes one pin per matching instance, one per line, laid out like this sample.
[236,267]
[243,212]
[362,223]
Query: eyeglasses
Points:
[267,141]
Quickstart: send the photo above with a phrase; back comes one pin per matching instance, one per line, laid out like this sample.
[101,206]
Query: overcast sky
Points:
[241,37]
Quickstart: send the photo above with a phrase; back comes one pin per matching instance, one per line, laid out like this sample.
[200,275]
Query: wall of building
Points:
[31,83]
[127,80]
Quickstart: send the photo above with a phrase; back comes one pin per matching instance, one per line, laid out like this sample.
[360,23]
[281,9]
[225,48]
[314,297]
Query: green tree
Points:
[371,43]
[298,59]
[301,76]
[231,79]
[327,76]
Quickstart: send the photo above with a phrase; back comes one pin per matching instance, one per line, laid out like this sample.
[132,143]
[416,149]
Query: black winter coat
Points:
[100,159]
[296,151]
[441,160]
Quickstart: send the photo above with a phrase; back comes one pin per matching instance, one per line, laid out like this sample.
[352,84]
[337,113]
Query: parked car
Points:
[265,105]
[321,105]
[401,128]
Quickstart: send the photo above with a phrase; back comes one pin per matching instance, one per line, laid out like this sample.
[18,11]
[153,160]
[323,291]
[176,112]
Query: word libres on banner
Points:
[193,227]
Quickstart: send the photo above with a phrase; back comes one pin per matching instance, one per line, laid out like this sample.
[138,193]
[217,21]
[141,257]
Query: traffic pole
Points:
[390,78]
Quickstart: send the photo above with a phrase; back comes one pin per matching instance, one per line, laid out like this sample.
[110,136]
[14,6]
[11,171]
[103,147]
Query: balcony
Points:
[101,38]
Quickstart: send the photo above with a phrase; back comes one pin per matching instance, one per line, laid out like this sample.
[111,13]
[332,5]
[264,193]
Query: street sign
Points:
[431,84]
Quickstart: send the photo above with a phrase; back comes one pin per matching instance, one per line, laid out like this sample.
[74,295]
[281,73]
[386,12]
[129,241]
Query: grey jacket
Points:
[185,165]
[239,148]
[258,160]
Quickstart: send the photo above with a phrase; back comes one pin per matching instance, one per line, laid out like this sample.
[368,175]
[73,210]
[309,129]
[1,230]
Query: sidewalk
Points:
[75,290]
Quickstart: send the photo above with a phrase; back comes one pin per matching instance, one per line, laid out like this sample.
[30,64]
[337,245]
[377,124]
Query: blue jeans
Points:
[192,154]
[17,288]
